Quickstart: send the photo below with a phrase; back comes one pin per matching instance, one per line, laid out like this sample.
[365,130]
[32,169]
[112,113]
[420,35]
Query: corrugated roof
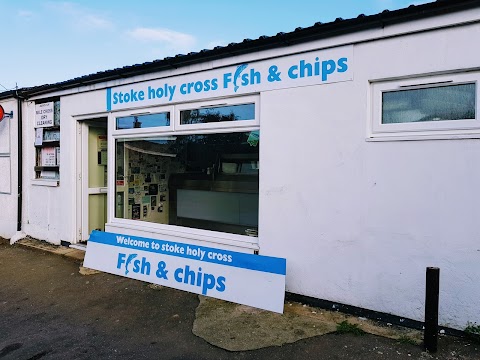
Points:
[300,35]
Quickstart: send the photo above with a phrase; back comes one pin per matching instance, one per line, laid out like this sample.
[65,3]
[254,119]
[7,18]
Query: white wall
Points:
[360,221]
[8,170]
[50,212]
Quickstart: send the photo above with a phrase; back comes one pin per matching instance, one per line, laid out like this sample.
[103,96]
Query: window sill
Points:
[202,236]
[45,182]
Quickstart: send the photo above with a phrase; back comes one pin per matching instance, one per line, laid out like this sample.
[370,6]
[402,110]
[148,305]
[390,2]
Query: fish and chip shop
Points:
[334,163]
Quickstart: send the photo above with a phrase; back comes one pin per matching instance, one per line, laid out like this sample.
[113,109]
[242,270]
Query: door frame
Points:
[81,176]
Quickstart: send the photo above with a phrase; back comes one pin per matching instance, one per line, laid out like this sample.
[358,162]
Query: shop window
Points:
[47,140]
[202,181]
[236,112]
[425,108]
[143,121]
[212,114]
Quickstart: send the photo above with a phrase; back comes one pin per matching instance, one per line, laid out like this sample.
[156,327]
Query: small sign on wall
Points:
[44,114]
[49,157]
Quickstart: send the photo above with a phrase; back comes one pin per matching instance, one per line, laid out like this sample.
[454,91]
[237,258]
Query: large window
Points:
[426,107]
[204,180]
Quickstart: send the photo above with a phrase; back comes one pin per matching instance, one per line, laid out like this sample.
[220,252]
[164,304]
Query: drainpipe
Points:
[19,161]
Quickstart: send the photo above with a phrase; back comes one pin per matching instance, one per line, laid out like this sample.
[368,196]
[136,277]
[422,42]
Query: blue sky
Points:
[51,41]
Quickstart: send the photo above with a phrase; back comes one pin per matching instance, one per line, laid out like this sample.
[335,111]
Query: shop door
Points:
[94,176]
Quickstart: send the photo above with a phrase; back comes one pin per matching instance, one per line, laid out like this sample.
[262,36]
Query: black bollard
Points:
[430,336]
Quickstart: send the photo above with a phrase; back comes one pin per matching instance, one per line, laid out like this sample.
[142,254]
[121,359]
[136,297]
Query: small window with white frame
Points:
[424,108]
[235,112]
[159,119]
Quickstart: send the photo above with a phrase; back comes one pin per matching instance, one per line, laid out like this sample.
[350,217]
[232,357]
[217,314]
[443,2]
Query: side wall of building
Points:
[359,221]
[8,170]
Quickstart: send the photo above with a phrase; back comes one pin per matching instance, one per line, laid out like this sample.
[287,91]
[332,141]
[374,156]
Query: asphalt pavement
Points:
[49,310]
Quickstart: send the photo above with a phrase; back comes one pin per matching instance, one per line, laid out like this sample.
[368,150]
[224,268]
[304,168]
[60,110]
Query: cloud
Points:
[25,14]
[173,39]
[81,18]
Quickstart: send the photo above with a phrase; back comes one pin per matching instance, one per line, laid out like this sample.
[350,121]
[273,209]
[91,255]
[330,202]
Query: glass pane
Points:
[454,102]
[207,181]
[143,121]
[218,114]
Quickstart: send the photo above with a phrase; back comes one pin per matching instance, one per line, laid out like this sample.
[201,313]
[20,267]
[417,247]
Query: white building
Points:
[350,148]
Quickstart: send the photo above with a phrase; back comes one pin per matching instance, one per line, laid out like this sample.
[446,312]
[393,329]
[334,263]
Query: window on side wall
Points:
[433,107]
[202,179]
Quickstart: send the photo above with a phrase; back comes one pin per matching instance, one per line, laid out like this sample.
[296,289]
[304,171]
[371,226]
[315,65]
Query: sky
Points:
[49,41]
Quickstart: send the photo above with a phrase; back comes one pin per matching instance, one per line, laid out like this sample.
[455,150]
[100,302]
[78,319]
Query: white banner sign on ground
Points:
[247,279]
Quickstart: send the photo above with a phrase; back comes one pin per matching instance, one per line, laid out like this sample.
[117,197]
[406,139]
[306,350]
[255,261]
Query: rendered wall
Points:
[8,170]
[360,221]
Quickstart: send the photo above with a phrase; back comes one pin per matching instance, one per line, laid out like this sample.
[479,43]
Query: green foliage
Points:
[404,339]
[346,328]
[472,331]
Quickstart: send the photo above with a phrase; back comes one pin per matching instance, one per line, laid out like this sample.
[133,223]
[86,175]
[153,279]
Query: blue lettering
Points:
[145,269]
[342,65]
[208,283]
[141,95]
[121,260]
[207,85]
[198,86]
[221,284]
[227,78]
[317,67]
[214,84]
[305,67]
[151,93]
[245,80]
[189,275]
[172,91]
[159,92]
[126,97]
[328,67]
[115,98]
[183,91]
[177,273]
[136,266]
[133,95]
[292,72]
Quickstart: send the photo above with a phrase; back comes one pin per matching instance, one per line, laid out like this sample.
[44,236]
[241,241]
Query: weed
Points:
[404,339]
[472,331]
[346,328]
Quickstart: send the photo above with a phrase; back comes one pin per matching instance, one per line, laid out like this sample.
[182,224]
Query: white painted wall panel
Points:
[5,175]
[8,170]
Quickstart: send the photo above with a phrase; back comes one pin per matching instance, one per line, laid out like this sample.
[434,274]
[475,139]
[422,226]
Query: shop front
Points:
[347,150]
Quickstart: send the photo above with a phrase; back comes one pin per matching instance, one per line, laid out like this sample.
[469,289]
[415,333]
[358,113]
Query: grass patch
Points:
[404,339]
[472,331]
[346,328]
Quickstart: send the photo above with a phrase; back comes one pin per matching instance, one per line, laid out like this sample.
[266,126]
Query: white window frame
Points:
[139,112]
[219,102]
[445,129]
[175,128]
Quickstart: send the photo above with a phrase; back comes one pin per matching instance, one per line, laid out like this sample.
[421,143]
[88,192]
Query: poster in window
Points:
[49,156]
[136,212]
[153,189]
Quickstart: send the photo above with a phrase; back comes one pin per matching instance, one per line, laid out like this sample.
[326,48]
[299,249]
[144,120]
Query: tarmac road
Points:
[48,310]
